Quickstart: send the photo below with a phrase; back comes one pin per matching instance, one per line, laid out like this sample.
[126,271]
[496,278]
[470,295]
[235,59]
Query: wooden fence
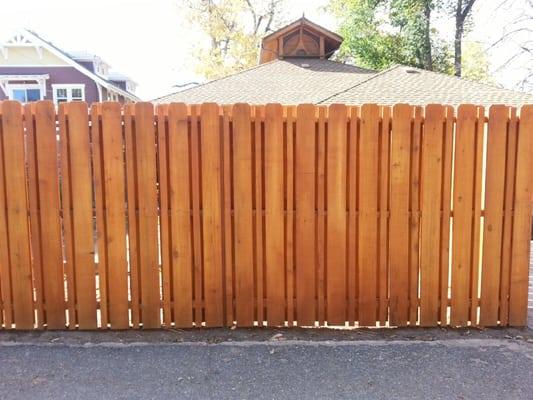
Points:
[211,216]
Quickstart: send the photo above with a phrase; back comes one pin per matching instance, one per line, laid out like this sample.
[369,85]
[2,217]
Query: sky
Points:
[150,41]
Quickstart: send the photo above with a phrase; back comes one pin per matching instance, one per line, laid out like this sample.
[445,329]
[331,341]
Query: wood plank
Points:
[368,214]
[259,113]
[132,207]
[463,200]
[35,234]
[493,224]
[79,157]
[212,213]
[99,201]
[196,217]
[115,213]
[5,274]
[305,224]
[336,158]
[352,275]
[50,223]
[274,215]
[320,112]
[243,214]
[229,264]
[180,215]
[522,220]
[17,214]
[510,171]
[414,248]
[447,152]
[476,238]
[147,219]
[399,213]
[384,188]
[66,209]
[290,215]
[164,218]
[431,195]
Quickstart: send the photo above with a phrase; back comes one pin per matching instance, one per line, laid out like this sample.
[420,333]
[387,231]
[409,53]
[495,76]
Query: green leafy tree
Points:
[475,63]
[379,33]
[234,29]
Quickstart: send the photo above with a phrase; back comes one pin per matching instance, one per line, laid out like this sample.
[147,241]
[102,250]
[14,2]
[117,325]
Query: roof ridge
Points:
[360,83]
[217,79]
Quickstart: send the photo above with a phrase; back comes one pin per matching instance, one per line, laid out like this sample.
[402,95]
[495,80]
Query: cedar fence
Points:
[208,215]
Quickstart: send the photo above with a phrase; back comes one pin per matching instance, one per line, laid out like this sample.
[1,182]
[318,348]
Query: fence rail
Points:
[207,215]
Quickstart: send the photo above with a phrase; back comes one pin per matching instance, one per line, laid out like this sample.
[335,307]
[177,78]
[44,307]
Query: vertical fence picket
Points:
[353,155]
[33,199]
[402,115]
[493,221]
[305,224]
[99,204]
[522,220]
[5,266]
[463,204]
[212,213]
[180,215]
[384,187]
[431,192]
[82,239]
[447,155]
[274,216]
[49,215]
[368,214]
[510,173]
[336,161]
[17,214]
[243,214]
[145,159]
[290,204]
[115,214]
[132,210]
[163,205]
[414,227]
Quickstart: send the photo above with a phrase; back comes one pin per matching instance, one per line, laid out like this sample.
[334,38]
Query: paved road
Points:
[449,369]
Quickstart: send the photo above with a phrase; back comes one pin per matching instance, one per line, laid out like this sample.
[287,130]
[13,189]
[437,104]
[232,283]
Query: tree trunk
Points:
[459,27]
[429,56]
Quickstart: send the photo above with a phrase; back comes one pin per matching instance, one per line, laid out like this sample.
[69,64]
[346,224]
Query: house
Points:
[33,69]
[295,67]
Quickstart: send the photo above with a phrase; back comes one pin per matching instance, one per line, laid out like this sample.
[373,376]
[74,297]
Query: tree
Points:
[475,63]
[518,37]
[462,12]
[234,29]
[379,33]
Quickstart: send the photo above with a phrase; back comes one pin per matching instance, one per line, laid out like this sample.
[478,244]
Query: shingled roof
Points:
[401,84]
[287,81]
[295,81]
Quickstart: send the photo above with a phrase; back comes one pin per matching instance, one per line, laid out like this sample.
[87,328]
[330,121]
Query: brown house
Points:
[295,67]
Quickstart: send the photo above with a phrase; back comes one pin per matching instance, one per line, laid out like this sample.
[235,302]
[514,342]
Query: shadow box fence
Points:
[206,215]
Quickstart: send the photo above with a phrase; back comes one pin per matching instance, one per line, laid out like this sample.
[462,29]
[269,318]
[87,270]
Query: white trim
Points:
[38,41]
[69,87]
[11,87]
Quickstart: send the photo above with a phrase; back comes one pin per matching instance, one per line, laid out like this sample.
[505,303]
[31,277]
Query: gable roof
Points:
[36,39]
[303,21]
[287,81]
[401,84]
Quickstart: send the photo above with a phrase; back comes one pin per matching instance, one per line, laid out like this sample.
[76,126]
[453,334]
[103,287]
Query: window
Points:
[25,93]
[63,93]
